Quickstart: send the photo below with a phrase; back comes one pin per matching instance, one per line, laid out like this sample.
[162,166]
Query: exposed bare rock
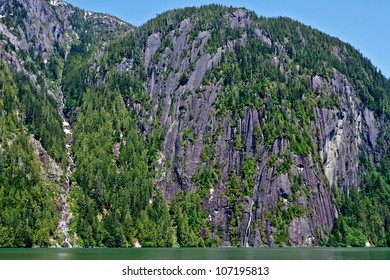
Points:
[202,65]
[337,53]
[44,36]
[239,18]
[137,244]
[47,25]
[372,128]
[265,38]
[317,83]
[195,113]
[152,45]
[49,168]
[279,63]
[340,132]
[125,66]
[244,39]
[300,232]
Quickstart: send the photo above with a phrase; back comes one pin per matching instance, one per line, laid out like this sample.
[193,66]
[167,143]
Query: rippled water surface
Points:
[198,254]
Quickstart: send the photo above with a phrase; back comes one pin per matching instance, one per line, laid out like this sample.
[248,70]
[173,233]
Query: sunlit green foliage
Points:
[27,216]
[365,213]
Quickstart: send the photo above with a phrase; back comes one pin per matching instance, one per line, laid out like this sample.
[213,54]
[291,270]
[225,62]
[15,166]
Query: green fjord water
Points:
[198,254]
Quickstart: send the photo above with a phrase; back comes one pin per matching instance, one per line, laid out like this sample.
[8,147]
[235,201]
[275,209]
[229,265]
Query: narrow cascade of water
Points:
[66,216]
[248,230]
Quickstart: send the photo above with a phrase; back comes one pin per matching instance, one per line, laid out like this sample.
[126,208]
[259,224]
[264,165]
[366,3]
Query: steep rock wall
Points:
[185,106]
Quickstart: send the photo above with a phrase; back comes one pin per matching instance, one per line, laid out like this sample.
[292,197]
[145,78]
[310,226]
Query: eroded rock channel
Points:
[66,216]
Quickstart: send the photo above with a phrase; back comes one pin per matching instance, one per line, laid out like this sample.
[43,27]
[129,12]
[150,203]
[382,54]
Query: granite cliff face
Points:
[186,109]
[257,117]
[39,28]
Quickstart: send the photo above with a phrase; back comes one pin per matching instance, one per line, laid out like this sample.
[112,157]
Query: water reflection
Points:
[63,256]
[198,254]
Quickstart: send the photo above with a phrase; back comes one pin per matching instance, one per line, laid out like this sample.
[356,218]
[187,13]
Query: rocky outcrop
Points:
[45,26]
[239,18]
[185,106]
[42,26]
[343,132]
[152,45]
[50,170]
[265,38]
[188,115]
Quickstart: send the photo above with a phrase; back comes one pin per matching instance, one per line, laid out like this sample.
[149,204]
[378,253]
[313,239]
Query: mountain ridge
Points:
[212,126]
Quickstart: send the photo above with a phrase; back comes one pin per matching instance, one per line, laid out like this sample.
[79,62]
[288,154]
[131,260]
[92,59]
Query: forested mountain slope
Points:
[205,126]
[36,38]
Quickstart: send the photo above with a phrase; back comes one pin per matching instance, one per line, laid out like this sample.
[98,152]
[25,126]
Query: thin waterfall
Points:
[66,216]
[248,230]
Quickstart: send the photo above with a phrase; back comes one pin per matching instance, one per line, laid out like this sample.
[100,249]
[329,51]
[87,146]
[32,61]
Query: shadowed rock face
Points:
[41,27]
[44,25]
[341,135]
[44,35]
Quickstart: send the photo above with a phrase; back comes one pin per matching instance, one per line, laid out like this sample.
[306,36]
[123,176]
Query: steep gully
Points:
[66,216]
